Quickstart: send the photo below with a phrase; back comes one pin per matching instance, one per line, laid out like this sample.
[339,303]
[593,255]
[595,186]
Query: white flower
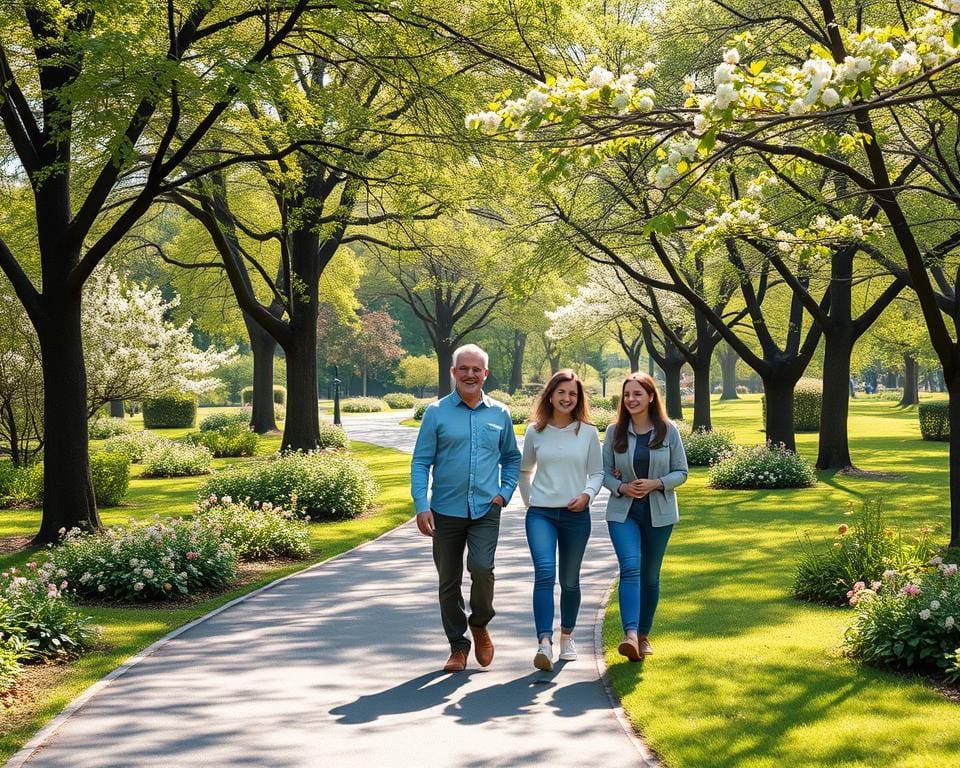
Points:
[829,97]
[536,98]
[148,573]
[666,175]
[949,622]
[731,56]
[934,605]
[645,104]
[599,77]
[797,107]
[925,614]
[904,64]
[726,95]
[648,69]
[700,125]
[101,588]
[621,101]
[723,73]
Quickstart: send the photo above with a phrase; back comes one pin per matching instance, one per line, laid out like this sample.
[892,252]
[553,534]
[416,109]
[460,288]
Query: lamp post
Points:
[336,395]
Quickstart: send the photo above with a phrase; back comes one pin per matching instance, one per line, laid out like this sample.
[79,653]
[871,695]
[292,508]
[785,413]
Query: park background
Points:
[222,223]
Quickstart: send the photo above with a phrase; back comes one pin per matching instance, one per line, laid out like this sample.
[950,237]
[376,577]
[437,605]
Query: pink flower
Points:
[191,555]
[911,589]
[843,528]
[32,566]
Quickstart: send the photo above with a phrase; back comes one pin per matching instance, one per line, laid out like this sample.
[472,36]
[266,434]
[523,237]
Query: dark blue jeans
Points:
[640,548]
[553,530]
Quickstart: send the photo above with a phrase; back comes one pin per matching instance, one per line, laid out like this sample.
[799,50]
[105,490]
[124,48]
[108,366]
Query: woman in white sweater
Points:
[560,474]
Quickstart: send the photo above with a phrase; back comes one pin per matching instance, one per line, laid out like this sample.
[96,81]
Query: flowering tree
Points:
[132,351]
[872,104]
[418,372]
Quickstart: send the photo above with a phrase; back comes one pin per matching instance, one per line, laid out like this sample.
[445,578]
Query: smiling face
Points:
[469,374]
[636,399]
[564,398]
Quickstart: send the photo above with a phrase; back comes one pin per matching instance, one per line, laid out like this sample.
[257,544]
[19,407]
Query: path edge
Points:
[647,758]
[39,739]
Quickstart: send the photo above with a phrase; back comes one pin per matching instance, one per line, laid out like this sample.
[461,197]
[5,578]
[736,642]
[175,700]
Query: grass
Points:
[127,631]
[746,676]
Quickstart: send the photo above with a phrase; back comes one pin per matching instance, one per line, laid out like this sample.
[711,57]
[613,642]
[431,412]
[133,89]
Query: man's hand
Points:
[499,501]
[425,522]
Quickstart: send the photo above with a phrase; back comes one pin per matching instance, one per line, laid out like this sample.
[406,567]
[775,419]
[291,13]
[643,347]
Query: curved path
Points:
[339,666]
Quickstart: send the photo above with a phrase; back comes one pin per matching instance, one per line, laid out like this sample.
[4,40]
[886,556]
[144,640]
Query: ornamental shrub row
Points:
[319,485]
[174,409]
[231,440]
[934,420]
[362,405]
[224,419]
[761,466]
[110,473]
[400,400]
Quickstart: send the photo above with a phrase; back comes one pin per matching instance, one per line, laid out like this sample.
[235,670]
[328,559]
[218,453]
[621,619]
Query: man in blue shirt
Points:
[466,442]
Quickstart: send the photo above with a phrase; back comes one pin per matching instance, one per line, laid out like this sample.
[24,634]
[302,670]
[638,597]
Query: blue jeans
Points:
[551,530]
[640,548]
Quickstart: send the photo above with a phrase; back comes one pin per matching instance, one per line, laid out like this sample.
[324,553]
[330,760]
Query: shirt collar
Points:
[457,400]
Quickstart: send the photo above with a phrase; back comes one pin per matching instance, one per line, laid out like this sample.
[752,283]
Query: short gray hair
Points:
[475,350]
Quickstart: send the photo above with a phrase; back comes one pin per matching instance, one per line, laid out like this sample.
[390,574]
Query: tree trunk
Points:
[953,388]
[68,498]
[444,364]
[516,369]
[778,397]
[728,373]
[671,373]
[116,409]
[263,346]
[302,426]
[834,444]
[911,393]
[701,393]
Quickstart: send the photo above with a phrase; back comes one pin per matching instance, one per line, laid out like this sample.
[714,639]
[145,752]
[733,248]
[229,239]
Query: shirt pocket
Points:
[490,436]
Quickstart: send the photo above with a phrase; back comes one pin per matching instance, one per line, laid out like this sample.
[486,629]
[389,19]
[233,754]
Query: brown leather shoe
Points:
[644,646]
[482,645]
[457,661]
[629,649]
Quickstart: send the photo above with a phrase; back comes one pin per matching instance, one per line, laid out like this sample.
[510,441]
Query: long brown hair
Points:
[657,413]
[544,411]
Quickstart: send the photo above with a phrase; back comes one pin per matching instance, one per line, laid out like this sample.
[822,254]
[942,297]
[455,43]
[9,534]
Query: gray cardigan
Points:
[668,463]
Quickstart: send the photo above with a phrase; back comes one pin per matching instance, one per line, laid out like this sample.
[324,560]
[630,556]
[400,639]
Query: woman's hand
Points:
[640,489]
[579,503]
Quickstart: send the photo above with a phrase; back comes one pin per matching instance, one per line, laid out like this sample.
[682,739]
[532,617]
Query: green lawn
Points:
[746,676]
[127,631]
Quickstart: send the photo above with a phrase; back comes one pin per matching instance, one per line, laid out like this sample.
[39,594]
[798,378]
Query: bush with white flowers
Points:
[145,560]
[333,437]
[256,531]
[703,447]
[320,485]
[171,459]
[400,400]
[108,426]
[362,405]
[909,623]
[761,466]
[133,445]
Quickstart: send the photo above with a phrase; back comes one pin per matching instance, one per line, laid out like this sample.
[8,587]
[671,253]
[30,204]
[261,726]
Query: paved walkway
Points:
[338,666]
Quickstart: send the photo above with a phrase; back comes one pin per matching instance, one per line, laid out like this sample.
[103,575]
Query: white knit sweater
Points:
[559,464]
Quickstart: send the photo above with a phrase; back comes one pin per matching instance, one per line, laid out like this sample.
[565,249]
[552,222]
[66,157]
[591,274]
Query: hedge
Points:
[935,420]
[279,395]
[174,409]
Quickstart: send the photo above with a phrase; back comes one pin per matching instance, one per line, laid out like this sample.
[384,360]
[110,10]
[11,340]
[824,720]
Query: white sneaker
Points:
[544,658]
[568,649]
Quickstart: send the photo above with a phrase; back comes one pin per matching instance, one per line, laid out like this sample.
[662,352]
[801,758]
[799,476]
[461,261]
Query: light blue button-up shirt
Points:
[472,453]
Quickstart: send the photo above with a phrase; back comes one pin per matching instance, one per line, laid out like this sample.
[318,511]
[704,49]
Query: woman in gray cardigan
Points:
[643,462]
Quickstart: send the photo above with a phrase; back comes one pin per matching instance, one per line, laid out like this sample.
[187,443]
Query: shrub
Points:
[807,403]
[133,445]
[256,531]
[362,405]
[420,407]
[224,419]
[601,403]
[279,395]
[167,458]
[279,412]
[37,618]
[20,485]
[400,400]
[761,466]
[904,623]
[742,389]
[232,440]
[601,418]
[111,477]
[520,414]
[110,473]
[10,656]
[145,560]
[498,394]
[174,409]
[103,427]
[333,437]
[320,485]
[704,448]
[934,420]
[861,552]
